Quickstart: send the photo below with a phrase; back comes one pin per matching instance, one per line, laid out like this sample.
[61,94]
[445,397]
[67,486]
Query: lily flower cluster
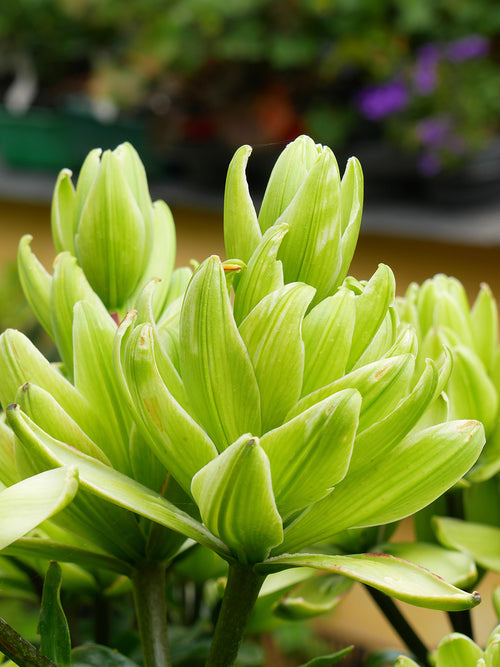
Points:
[275,418]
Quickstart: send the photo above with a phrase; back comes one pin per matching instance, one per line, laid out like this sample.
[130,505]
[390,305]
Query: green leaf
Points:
[235,495]
[38,547]
[310,454]
[8,471]
[457,649]
[393,576]
[215,366]
[26,504]
[262,275]
[327,332]
[482,542]
[330,659]
[392,484]
[62,213]
[106,483]
[93,655]
[36,283]
[271,333]
[453,566]
[316,596]
[55,642]
[241,228]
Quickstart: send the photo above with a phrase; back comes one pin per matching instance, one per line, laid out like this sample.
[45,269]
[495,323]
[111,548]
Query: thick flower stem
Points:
[242,588]
[148,584]
[401,625]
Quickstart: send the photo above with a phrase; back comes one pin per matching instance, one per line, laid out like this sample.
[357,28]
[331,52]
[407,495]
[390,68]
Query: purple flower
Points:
[433,130]
[467,48]
[425,72]
[376,102]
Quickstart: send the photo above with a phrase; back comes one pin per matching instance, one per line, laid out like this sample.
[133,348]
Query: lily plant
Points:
[258,405]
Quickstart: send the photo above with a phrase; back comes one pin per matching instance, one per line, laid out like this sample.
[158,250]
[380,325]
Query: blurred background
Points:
[411,87]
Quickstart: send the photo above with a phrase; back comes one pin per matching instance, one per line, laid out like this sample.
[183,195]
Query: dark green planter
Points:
[49,140]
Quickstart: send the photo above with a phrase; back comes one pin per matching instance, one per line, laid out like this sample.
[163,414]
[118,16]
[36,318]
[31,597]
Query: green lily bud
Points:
[235,495]
[110,224]
[323,213]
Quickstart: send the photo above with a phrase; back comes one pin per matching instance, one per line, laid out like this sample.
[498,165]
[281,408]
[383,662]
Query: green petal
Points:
[471,392]
[235,496]
[311,453]
[287,176]
[26,504]
[215,365]
[177,440]
[393,576]
[62,213]
[484,322]
[93,335]
[371,308]
[351,202]
[241,228]
[482,542]
[36,283]
[392,484]
[311,250]
[272,335]
[107,484]
[263,274]
[111,240]
[69,285]
[456,649]
[46,412]
[161,258]
[327,332]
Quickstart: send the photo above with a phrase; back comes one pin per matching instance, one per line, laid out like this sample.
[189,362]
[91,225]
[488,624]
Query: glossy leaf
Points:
[481,541]
[393,576]
[55,641]
[316,596]
[484,323]
[351,201]
[26,504]
[453,566]
[330,659]
[94,655]
[235,495]
[215,365]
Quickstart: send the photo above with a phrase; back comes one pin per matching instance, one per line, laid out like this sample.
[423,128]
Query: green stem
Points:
[401,625]
[148,583]
[20,651]
[242,588]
